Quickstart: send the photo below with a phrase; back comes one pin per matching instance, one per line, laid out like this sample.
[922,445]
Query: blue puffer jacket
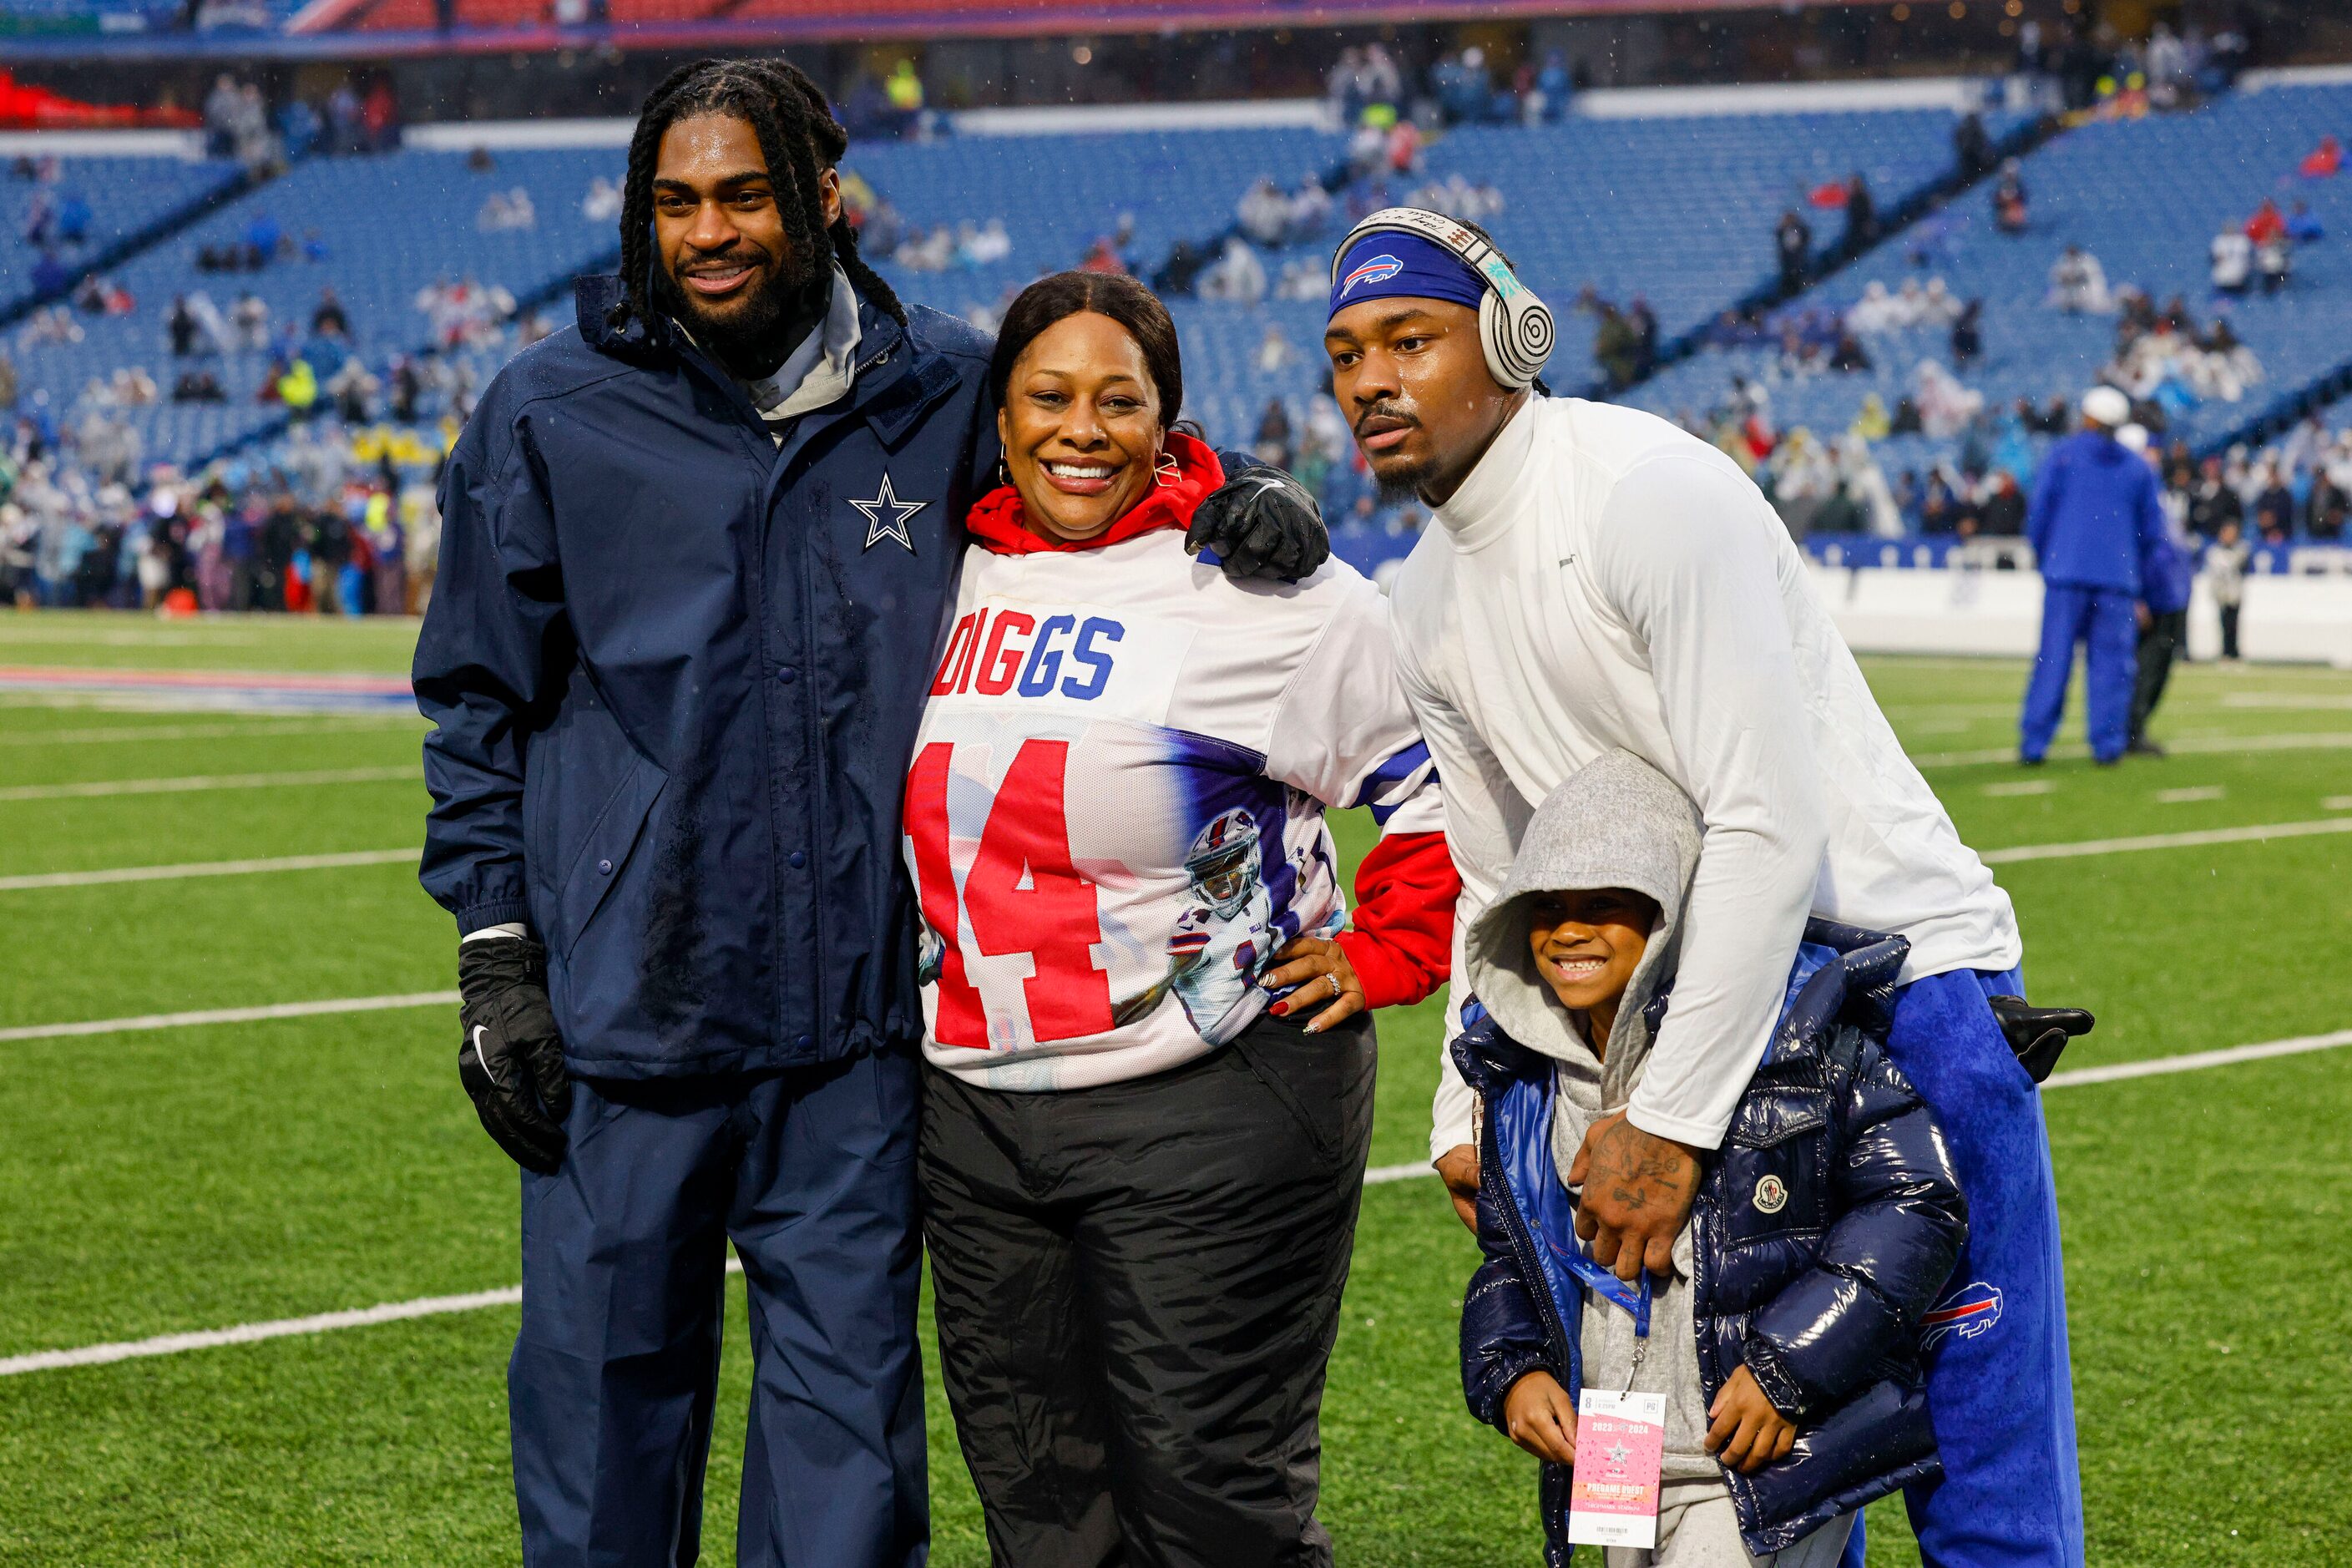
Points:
[677,674]
[1821,1297]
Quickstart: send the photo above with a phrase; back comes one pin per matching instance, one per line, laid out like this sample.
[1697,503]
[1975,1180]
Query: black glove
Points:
[1262,524]
[511,1062]
[2038,1034]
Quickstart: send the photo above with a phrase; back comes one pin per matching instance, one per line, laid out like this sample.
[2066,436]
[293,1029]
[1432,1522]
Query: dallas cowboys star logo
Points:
[1618,1453]
[878,527]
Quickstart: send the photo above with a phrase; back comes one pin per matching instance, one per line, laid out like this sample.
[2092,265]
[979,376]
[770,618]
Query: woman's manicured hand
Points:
[1541,1418]
[1321,972]
[1748,1433]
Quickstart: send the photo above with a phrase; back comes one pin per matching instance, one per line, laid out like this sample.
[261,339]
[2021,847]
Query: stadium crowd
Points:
[85,504]
[2296,489]
[328,520]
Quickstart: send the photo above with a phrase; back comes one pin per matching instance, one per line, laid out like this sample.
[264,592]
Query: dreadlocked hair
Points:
[799,138]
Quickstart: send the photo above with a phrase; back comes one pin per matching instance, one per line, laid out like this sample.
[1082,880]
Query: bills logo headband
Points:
[1377,270]
[1447,260]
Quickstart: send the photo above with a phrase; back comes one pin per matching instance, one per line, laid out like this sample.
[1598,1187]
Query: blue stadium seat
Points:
[2145,198]
[391,225]
[123,194]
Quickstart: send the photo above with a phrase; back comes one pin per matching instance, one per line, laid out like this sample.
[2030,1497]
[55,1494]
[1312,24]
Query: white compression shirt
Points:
[1602,579]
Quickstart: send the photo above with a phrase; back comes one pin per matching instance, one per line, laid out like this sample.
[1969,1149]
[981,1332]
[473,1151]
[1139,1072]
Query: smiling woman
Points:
[1090,378]
[1114,825]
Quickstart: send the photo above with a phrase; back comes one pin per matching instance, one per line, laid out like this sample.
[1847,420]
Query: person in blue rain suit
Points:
[697,553]
[2096,524]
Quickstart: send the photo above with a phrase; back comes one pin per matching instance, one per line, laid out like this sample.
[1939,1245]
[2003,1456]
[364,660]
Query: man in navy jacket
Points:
[2168,581]
[696,557]
[2096,524]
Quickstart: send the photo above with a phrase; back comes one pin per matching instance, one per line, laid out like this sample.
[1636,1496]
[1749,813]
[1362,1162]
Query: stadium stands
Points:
[1678,210]
[389,227]
[1057,194]
[2145,198]
[118,197]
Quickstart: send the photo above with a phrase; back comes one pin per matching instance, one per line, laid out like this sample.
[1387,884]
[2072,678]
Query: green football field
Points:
[199,1177]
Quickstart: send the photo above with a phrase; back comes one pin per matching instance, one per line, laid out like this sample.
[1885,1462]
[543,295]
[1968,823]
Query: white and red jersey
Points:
[1115,813]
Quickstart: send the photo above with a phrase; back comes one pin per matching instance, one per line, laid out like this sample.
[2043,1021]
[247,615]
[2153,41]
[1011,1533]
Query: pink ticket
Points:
[1621,1441]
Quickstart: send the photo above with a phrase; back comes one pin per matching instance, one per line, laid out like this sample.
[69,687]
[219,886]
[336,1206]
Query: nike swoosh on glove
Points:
[1261,523]
[511,1059]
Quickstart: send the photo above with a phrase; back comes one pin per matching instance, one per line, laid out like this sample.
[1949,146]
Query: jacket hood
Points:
[1618,823]
[595,297]
[593,300]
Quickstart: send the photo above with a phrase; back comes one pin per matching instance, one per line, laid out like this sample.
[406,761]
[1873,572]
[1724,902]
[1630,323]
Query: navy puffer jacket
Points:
[1819,1288]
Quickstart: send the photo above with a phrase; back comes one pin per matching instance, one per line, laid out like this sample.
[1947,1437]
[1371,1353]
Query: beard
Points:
[1399,482]
[1403,484]
[756,335]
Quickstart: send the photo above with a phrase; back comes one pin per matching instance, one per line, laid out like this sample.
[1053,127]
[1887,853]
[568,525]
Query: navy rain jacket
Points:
[1821,1297]
[677,674]
[2097,516]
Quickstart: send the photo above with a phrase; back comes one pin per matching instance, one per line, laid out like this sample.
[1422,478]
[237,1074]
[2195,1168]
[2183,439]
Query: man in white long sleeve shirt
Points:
[1600,579]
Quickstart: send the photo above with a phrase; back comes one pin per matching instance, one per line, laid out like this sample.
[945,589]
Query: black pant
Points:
[1138,1285]
[2159,645]
[2229,631]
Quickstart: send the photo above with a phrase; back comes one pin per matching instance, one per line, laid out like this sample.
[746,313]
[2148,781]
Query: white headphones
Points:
[1515,327]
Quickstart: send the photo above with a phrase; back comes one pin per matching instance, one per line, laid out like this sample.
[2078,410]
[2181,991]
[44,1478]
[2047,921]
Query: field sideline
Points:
[199,1176]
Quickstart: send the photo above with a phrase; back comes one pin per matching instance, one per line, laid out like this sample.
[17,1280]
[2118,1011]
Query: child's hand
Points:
[1541,1418]
[1748,1433]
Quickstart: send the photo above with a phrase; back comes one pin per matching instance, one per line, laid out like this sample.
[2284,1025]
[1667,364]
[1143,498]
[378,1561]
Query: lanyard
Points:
[1599,1281]
[1603,1285]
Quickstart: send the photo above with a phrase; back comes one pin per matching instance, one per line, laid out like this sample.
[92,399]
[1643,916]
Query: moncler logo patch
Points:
[894,526]
[1771,1196]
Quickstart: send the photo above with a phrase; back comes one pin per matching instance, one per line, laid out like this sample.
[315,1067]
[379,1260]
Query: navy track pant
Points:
[811,1172]
[2001,1391]
[2102,620]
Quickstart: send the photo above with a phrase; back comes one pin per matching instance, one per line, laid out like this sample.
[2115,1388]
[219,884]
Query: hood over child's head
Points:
[1617,838]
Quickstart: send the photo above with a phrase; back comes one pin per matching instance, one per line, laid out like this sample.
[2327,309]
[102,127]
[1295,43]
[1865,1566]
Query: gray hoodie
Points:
[1618,823]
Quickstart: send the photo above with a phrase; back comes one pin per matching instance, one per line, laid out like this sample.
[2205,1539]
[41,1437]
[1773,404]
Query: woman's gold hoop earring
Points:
[1165,471]
[1003,474]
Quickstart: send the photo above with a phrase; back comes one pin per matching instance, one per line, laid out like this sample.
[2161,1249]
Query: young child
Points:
[1786,1341]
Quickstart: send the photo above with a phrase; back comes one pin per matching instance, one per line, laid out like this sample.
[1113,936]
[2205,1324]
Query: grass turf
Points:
[200,1177]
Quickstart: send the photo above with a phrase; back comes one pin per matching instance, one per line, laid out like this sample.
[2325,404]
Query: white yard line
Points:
[2187,745]
[209,782]
[2193,792]
[2157,1066]
[229,1016]
[439,1306]
[2258,833]
[2300,702]
[208,868]
[279,1329]
[2019,787]
[253,1333]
